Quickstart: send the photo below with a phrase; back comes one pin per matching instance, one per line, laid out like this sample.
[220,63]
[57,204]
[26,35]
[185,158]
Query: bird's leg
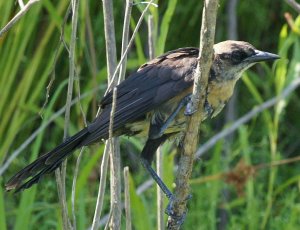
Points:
[156,178]
[169,211]
[146,159]
[162,128]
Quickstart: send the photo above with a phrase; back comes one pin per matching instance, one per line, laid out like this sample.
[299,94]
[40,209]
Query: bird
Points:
[153,102]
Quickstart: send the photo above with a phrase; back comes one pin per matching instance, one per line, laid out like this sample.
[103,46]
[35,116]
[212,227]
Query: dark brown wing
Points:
[153,84]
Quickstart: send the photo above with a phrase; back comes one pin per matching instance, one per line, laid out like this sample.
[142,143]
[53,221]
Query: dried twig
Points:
[56,53]
[76,170]
[115,177]
[115,168]
[111,58]
[294,4]
[125,37]
[177,206]
[127,198]
[17,17]
[73,194]
[159,159]
[101,189]
[129,45]
[61,173]
[109,147]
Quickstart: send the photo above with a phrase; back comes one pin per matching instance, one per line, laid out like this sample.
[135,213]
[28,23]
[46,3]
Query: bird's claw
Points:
[170,211]
[189,108]
[189,111]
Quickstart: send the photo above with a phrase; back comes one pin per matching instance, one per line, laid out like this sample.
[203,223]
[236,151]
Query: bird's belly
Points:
[217,96]
[141,128]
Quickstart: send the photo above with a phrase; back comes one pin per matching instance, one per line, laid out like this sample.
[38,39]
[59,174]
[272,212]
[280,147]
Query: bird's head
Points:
[232,58]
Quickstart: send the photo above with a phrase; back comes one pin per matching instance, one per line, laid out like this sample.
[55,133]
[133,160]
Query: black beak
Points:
[261,56]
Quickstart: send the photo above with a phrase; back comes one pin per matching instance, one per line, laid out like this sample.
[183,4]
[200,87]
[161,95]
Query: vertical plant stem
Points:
[111,57]
[129,45]
[18,16]
[61,173]
[159,157]
[101,189]
[127,198]
[74,187]
[125,38]
[151,37]
[159,192]
[177,205]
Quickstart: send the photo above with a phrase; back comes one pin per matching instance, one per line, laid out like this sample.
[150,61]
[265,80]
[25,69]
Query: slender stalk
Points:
[177,206]
[129,45]
[74,187]
[61,173]
[18,16]
[127,198]
[111,58]
[125,37]
[101,189]
[159,157]
[294,4]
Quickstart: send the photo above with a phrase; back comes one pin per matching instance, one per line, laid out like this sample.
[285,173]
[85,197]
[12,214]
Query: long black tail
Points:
[46,163]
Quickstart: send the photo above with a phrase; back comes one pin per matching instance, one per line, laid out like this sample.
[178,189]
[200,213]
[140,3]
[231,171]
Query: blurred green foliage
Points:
[270,199]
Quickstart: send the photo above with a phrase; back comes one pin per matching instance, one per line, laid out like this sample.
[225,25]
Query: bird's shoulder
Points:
[172,56]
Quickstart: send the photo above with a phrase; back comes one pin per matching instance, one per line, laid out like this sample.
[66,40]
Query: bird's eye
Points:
[238,56]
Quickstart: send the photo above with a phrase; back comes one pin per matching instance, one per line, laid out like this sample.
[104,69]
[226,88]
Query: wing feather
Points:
[152,85]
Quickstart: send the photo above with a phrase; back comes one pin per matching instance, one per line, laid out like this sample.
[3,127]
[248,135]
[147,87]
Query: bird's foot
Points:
[189,107]
[170,210]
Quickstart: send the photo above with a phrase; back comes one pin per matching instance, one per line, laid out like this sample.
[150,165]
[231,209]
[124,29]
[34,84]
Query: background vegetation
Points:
[248,198]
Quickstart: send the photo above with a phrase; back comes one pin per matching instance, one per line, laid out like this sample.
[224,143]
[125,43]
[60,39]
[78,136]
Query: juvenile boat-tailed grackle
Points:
[151,102]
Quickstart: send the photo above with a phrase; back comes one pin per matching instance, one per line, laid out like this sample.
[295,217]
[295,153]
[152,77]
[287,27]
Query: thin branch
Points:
[151,37]
[129,45]
[101,189]
[127,198]
[56,53]
[115,221]
[103,171]
[159,156]
[73,194]
[125,37]
[18,16]
[177,206]
[21,4]
[61,173]
[111,57]
[254,112]
[159,192]
[92,49]
[62,201]
[75,4]
[294,4]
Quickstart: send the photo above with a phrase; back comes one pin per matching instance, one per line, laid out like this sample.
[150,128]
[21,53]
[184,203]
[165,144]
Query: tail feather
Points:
[46,163]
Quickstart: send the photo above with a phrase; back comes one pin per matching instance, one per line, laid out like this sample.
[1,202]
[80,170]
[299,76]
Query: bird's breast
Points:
[218,94]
